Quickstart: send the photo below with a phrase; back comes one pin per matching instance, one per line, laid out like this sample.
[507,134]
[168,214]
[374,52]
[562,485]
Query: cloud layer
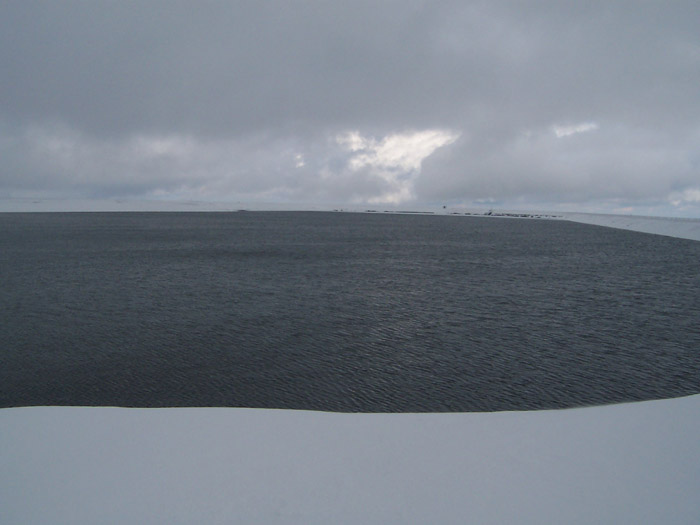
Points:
[589,106]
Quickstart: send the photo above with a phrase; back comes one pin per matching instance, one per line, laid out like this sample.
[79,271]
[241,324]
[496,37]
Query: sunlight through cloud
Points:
[566,131]
[395,158]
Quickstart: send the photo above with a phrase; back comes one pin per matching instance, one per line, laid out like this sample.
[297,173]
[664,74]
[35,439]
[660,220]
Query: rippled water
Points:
[348,312]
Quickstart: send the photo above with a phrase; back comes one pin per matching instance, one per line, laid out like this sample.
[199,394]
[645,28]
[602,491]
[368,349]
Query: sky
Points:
[576,106]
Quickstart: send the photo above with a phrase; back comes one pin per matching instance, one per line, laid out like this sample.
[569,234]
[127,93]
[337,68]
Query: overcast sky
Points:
[542,105]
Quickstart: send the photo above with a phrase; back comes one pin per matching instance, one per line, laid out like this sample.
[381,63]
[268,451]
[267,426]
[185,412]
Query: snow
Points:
[630,463]
[673,227]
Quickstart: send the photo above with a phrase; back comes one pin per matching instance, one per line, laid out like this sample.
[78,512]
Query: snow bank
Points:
[632,463]
[673,227]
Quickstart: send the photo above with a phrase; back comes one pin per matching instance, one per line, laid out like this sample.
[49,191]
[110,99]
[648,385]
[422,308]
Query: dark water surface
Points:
[346,312]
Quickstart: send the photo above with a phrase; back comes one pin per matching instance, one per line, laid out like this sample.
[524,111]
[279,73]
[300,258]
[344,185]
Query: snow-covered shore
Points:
[673,227]
[630,463]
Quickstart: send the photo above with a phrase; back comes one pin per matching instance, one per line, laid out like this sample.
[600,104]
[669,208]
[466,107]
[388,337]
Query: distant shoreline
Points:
[684,228]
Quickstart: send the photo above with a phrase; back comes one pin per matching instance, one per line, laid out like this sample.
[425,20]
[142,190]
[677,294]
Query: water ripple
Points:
[342,312]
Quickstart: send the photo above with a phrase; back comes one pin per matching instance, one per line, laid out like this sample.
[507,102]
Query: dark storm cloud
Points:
[288,78]
[208,67]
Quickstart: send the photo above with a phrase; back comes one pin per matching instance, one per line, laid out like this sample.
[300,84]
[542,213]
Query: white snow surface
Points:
[629,463]
[672,227]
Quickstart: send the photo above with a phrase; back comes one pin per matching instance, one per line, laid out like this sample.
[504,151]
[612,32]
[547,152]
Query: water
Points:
[344,312]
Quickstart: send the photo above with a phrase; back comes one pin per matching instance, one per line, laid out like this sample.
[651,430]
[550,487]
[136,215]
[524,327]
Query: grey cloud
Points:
[61,160]
[255,83]
[605,163]
[241,66]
